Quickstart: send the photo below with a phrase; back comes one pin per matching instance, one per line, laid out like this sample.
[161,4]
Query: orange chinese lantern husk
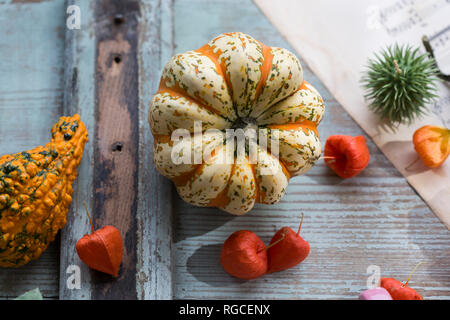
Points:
[398,290]
[244,255]
[346,155]
[102,250]
[288,252]
[432,144]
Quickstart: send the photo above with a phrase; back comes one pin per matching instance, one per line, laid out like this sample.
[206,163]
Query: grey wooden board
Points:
[79,97]
[31,95]
[155,202]
[373,219]
[153,245]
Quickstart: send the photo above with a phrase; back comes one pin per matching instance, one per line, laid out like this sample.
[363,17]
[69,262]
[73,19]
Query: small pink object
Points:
[375,294]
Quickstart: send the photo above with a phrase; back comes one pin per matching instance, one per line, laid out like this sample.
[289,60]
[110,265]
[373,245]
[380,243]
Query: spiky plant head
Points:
[399,83]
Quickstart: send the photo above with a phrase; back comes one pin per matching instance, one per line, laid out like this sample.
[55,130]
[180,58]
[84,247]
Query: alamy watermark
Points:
[73,21]
[373,280]
[74,279]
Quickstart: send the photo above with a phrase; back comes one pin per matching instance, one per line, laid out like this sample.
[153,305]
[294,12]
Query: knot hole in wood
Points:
[117,58]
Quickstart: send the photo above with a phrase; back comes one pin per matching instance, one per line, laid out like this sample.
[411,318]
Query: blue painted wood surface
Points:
[373,219]
[153,236]
[155,239]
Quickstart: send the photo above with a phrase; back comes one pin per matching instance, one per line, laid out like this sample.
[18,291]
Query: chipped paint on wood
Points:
[153,272]
[374,218]
[154,247]
[27,1]
[79,97]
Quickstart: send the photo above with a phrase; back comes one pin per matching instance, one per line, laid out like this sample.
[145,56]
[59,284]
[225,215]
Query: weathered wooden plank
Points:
[154,247]
[112,94]
[31,94]
[37,274]
[107,76]
[375,218]
[79,97]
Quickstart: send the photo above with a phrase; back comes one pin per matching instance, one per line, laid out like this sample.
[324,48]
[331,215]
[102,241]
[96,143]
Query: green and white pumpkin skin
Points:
[235,81]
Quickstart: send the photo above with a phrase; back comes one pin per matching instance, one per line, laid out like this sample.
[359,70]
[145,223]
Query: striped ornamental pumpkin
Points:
[232,82]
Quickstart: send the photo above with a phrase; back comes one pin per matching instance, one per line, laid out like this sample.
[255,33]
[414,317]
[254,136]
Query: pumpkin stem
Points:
[331,158]
[300,226]
[87,212]
[407,281]
[272,244]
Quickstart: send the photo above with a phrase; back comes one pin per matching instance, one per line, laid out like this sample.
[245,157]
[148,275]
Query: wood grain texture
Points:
[31,95]
[105,91]
[155,205]
[102,83]
[116,139]
[372,219]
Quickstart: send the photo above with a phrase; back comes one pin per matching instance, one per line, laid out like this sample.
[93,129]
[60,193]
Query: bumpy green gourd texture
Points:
[35,192]
[399,83]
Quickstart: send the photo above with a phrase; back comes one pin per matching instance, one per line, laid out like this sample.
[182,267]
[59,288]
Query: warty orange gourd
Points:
[36,190]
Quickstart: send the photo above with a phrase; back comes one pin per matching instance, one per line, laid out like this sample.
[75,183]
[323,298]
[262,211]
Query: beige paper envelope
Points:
[335,38]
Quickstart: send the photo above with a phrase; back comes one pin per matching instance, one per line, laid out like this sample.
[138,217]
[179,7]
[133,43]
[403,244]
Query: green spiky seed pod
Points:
[399,83]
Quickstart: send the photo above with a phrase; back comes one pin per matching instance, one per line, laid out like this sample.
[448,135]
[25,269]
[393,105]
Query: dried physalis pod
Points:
[244,255]
[36,192]
[102,249]
[375,294]
[346,155]
[399,291]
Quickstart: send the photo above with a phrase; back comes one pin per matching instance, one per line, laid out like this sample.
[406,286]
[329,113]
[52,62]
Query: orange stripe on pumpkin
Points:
[257,193]
[222,199]
[221,67]
[265,69]
[285,170]
[303,125]
[260,195]
[303,86]
[184,178]
[283,164]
